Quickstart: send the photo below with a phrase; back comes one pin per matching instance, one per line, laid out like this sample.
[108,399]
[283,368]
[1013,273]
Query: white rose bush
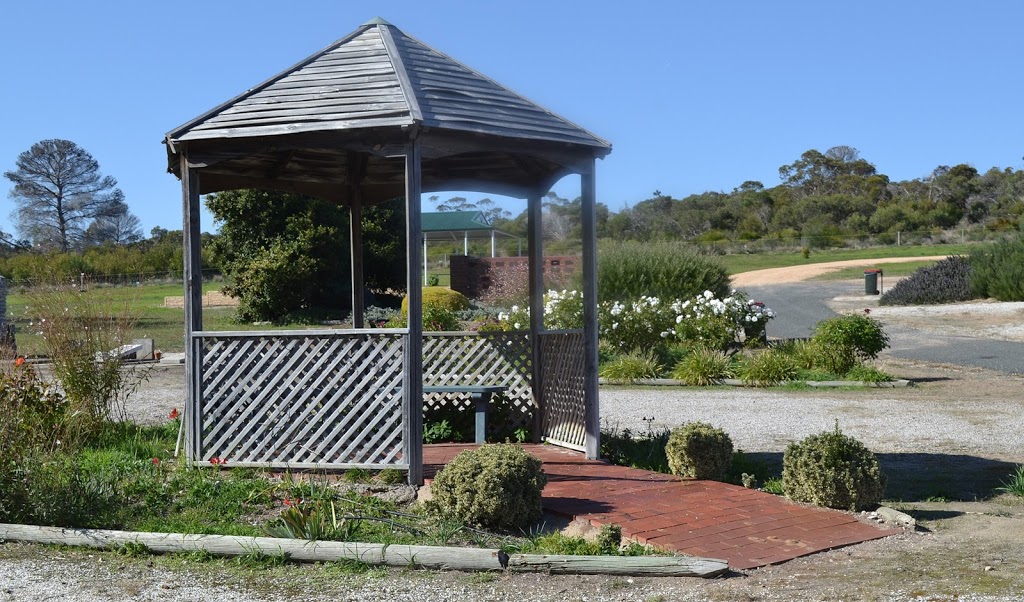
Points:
[650,323]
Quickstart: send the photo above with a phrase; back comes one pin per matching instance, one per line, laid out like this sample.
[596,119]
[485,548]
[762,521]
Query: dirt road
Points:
[799,273]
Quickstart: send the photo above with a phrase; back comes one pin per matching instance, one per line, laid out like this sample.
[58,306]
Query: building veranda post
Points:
[374,116]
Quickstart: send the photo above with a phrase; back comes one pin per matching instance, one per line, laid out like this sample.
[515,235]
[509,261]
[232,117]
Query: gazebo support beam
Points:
[588,194]
[413,373]
[193,277]
[535,260]
[357,171]
[355,226]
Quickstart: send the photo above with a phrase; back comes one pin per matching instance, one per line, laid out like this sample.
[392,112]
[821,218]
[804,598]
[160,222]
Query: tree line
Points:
[822,198]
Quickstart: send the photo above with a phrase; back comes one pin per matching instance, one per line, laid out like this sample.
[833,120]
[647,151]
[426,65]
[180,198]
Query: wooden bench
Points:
[481,396]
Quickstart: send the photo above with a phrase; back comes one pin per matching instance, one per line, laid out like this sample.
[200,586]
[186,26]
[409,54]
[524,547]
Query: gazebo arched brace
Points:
[374,116]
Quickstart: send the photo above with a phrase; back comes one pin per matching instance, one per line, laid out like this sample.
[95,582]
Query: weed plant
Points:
[637,450]
[1015,484]
[81,332]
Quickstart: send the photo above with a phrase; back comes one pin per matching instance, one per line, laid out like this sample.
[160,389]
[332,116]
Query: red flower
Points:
[156,461]
[215,461]
[174,414]
[20,361]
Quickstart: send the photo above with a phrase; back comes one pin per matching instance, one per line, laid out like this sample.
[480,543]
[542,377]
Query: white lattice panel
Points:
[467,358]
[563,370]
[300,400]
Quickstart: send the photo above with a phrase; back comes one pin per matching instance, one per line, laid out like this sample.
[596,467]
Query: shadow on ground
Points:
[920,477]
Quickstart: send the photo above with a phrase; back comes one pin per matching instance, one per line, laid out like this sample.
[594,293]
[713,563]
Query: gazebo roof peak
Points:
[377,21]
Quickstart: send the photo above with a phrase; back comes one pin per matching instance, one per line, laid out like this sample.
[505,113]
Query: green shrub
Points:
[856,334]
[700,451]
[632,366]
[441,297]
[494,486]
[833,470]
[702,367]
[435,319]
[768,368]
[869,374]
[948,281]
[998,271]
[667,270]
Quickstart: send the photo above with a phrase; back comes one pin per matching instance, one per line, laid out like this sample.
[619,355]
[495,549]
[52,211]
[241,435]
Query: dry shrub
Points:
[81,331]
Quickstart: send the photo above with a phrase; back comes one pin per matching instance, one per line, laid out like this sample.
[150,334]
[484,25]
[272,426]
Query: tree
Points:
[59,191]
[287,252]
[119,228]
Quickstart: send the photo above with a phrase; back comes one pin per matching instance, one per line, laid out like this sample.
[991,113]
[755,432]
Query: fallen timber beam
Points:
[426,557]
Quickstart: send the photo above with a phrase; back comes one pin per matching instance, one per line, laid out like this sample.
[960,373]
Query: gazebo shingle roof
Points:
[378,76]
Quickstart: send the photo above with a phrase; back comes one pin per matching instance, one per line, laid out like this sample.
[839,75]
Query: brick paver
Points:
[746,527]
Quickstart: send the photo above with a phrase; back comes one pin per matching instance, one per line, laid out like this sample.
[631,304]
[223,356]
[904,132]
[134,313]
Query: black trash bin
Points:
[871,281]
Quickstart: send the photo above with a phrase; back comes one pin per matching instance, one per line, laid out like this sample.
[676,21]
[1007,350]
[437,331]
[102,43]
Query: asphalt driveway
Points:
[800,305]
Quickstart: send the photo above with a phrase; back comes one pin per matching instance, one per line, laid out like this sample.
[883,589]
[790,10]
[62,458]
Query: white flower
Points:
[516,326]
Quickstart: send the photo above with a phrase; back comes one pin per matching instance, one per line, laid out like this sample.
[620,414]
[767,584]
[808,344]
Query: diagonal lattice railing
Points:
[299,399]
[492,358]
[333,399]
[564,416]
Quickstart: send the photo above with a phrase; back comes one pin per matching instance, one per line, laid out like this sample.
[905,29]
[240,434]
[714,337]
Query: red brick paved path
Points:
[748,528]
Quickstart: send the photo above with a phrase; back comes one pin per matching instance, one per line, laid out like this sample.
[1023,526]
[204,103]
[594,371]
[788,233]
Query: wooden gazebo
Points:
[375,116]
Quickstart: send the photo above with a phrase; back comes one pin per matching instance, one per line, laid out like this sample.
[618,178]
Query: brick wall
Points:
[472,276]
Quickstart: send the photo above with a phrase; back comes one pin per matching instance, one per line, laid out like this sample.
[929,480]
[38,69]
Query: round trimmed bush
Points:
[440,297]
[699,450]
[494,486]
[833,470]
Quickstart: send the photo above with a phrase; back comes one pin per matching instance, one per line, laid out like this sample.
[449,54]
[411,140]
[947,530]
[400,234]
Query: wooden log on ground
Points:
[427,557]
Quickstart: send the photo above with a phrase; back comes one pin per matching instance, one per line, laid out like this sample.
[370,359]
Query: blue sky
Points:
[692,96]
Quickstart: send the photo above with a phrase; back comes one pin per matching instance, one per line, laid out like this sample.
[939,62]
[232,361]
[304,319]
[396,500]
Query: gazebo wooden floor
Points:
[749,528]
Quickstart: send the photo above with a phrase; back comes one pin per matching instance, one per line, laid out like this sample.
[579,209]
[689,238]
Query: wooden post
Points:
[535,260]
[356,172]
[413,374]
[588,194]
[355,227]
[193,277]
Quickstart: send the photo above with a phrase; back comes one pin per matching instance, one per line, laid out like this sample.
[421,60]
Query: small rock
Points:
[989,568]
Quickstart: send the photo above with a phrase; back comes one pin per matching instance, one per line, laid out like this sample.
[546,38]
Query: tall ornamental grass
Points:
[998,271]
[667,270]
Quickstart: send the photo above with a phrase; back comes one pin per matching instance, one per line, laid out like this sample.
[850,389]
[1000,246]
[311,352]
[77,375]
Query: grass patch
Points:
[735,264]
[890,270]
[165,325]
